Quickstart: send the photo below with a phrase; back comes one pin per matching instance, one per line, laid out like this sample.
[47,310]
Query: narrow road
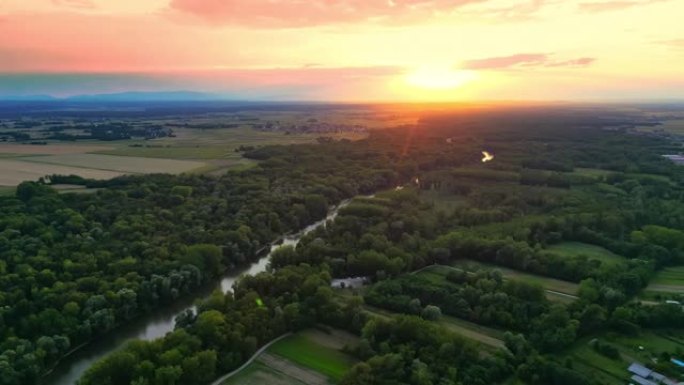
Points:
[562,294]
[250,360]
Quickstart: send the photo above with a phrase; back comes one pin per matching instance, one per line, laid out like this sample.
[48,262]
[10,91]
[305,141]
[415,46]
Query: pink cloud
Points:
[606,6]
[674,43]
[524,60]
[581,62]
[306,13]
[87,4]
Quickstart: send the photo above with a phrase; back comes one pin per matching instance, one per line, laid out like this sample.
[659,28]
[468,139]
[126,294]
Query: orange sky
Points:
[347,50]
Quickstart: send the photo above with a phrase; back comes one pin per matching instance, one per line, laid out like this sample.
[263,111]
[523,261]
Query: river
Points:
[161,320]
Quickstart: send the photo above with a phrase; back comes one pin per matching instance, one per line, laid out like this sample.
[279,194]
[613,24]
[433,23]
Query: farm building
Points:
[645,376]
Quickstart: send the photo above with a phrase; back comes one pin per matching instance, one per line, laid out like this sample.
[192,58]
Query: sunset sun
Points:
[439,78]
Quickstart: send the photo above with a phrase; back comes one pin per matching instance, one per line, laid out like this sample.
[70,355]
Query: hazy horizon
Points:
[348,50]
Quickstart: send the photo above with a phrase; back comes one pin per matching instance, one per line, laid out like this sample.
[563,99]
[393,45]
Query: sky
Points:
[347,50]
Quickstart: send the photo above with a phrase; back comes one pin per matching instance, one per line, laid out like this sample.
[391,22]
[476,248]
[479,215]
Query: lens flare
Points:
[486,156]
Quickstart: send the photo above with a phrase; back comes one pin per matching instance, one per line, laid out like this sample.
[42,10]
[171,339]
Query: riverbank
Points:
[161,320]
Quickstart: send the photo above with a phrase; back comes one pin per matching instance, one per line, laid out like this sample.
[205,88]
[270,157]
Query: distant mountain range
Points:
[134,96]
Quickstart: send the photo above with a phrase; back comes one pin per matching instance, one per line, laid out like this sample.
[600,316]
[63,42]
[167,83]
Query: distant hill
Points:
[148,96]
[28,98]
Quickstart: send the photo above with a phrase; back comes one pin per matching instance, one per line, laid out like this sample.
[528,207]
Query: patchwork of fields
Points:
[191,150]
[15,171]
[309,357]
[644,347]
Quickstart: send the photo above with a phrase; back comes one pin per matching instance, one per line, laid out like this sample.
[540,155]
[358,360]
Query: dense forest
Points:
[76,266]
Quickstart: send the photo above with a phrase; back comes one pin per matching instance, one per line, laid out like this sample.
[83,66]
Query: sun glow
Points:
[439,78]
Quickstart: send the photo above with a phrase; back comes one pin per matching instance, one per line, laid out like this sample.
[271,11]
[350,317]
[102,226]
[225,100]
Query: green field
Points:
[487,336]
[124,164]
[592,172]
[675,126]
[258,373]
[641,348]
[442,200]
[547,283]
[4,190]
[311,357]
[305,352]
[483,334]
[573,249]
[668,280]
[670,276]
[211,151]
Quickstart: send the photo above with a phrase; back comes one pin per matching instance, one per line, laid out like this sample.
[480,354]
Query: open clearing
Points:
[303,351]
[125,164]
[481,334]
[219,143]
[311,357]
[669,280]
[259,373]
[209,151]
[592,172]
[547,283]
[13,172]
[670,276]
[14,149]
[640,348]
[574,249]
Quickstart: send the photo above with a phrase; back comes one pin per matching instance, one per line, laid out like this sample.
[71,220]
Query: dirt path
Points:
[666,288]
[250,360]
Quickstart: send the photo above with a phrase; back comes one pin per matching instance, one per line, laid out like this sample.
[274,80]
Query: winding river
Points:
[161,321]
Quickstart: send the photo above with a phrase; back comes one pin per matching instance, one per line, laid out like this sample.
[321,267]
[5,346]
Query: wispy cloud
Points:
[524,60]
[607,6]
[298,13]
[518,10]
[673,43]
[82,4]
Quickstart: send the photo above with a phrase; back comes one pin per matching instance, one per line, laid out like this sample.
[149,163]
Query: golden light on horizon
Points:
[439,78]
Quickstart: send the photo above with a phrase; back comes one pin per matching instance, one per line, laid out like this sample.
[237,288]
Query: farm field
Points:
[591,172]
[670,279]
[214,143]
[123,164]
[210,151]
[483,334]
[641,348]
[13,172]
[15,149]
[311,357]
[306,352]
[547,283]
[258,373]
[442,201]
[573,249]
[477,333]
[674,126]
